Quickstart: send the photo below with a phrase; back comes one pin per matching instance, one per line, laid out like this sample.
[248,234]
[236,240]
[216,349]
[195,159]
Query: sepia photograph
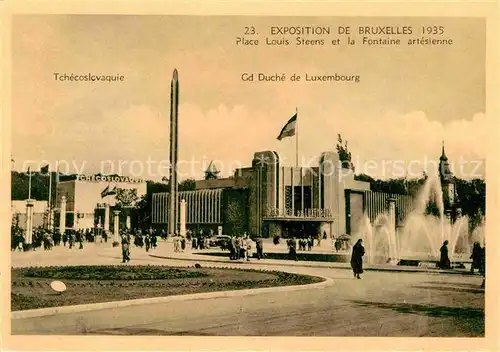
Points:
[248,175]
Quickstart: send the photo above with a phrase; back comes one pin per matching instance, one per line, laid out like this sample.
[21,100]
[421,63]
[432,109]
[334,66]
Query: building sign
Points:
[111,178]
[306,213]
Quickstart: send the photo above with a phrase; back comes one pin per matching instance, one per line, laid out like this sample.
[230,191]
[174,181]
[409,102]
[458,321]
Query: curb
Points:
[308,265]
[33,313]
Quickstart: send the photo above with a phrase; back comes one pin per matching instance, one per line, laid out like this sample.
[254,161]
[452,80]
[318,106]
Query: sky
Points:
[409,98]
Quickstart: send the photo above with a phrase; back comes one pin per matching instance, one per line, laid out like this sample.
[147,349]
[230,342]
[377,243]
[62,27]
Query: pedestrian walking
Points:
[337,245]
[125,249]
[176,244]
[247,247]
[482,269]
[232,246]
[259,245]
[476,257]
[444,261]
[71,240]
[292,248]
[358,251]
[237,248]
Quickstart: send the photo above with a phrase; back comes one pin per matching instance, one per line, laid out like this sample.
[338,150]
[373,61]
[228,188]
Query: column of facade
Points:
[116,232]
[393,242]
[128,222]
[182,221]
[106,219]
[62,216]
[29,221]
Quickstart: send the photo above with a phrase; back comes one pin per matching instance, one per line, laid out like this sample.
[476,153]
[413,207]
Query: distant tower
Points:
[211,173]
[447,180]
[173,199]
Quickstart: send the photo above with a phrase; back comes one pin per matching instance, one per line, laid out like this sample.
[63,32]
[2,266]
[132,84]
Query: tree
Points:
[364,178]
[236,212]
[236,223]
[187,185]
[344,154]
[39,186]
[471,198]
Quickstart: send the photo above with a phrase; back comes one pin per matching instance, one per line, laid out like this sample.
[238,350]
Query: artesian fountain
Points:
[421,236]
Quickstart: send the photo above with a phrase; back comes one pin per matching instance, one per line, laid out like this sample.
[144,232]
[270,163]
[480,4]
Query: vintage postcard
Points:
[213,175]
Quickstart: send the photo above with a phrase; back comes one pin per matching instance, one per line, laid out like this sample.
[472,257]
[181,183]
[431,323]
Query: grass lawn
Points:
[94,284]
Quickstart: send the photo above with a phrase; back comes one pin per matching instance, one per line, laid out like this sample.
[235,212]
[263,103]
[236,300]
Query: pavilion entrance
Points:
[300,229]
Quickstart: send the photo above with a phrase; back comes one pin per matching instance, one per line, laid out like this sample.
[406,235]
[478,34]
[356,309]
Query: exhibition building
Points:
[269,199]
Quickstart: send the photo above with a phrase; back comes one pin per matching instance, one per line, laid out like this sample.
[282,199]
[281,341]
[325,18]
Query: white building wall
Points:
[82,197]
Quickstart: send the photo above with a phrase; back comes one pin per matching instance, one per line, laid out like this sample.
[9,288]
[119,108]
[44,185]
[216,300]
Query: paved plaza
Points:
[383,303]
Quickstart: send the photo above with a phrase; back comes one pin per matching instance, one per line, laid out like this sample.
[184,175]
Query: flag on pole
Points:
[289,129]
[113,191]
[105,192]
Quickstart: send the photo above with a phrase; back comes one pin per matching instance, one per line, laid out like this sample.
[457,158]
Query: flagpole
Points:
[50,197]
[29,184]
[296,137]
[57,183]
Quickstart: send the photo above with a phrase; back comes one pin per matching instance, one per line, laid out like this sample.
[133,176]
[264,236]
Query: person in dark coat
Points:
[444,261]
[310,243]
[292,249]
[358,251]
[231,245]
[337,245]
[71,240]
[125,249]
[482,269]
[259,244]
[476,257]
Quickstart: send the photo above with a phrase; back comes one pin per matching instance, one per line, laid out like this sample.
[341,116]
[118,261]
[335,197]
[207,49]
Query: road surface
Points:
[380,304]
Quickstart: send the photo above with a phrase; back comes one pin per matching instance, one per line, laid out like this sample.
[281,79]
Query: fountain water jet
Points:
[421,236]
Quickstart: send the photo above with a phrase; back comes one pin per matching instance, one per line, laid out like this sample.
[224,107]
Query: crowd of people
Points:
[240,247]
[301,244]
[48,239]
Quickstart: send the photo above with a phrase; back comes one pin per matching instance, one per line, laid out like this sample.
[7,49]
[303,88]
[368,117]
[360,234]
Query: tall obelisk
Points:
[174,110]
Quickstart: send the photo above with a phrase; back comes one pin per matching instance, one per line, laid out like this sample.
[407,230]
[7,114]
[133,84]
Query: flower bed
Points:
[94,284]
